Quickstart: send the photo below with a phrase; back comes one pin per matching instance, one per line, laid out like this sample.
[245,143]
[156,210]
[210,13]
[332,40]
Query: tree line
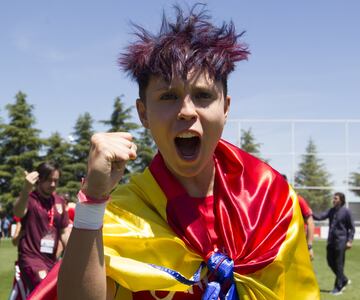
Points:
[22,149]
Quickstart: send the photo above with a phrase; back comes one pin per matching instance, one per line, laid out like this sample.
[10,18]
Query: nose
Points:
[187,110]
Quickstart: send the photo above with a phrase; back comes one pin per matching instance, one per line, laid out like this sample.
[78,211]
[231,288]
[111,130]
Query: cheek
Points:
[216,121]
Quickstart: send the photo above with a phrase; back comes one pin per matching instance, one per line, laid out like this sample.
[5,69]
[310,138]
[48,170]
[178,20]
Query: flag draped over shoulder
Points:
[156,237]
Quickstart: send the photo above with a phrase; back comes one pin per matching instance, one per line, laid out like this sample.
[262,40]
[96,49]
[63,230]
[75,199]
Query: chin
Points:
[49,194]
[188,172]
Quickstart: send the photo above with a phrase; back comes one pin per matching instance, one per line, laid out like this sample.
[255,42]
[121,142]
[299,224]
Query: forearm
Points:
[83,264]
[351,229]
[320,216]
[20,205]
[15,240]
[65,234]
[310,230]
[82,272]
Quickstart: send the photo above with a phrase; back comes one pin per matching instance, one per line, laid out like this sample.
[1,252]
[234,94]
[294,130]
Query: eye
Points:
[203,95]
[168,96]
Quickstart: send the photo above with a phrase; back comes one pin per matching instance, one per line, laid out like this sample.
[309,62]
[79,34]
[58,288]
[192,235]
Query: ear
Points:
[227,101]
[141,110]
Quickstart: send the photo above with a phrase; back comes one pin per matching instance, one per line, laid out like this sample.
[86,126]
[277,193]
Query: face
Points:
[48,186]
[336,201]
[186,119]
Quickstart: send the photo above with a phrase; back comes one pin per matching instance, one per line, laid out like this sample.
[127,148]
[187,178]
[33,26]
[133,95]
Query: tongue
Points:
[187,146]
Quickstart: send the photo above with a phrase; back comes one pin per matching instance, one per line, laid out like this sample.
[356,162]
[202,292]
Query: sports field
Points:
[323,273]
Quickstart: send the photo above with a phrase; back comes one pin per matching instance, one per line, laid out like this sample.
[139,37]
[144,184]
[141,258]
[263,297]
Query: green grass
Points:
[324,275]
[8,255]
[326,278]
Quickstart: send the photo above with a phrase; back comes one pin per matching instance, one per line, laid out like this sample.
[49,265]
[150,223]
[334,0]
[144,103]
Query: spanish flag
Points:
[246,240]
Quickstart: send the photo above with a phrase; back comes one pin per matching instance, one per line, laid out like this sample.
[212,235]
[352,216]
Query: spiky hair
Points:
[191,42]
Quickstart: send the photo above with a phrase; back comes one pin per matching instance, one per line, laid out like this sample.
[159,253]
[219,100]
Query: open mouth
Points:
[188,145]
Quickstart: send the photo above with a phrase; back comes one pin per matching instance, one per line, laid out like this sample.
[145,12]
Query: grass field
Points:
[323,273]
[8,255]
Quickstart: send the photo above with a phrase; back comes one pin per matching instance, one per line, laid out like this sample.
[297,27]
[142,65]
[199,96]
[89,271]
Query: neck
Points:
[43,195]
[201,185]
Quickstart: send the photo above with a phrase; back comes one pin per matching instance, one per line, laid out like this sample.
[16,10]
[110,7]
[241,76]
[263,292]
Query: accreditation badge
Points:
[47,243]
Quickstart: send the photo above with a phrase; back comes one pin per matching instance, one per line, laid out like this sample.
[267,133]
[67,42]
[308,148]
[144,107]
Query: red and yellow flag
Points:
[157,237]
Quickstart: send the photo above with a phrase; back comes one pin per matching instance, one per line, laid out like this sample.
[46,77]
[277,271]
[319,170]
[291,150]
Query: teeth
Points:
[186,135]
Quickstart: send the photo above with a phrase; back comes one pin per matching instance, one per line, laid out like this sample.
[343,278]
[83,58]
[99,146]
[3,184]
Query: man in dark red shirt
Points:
[44,222]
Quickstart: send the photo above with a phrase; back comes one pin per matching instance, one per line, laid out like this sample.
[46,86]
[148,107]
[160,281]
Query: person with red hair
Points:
[205,220]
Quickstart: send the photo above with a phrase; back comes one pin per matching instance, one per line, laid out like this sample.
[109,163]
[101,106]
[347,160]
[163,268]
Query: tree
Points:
[312,173]
[57,150]
[355,182]
[19,145]
[248,143]
[2,160]
[145,151]
[79,150]
[119,120]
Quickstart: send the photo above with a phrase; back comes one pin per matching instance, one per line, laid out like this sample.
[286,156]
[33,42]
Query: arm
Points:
[20,206]
[64,235]
[351,230]
[83,264]
[15,239]
[321,216]
[310,234]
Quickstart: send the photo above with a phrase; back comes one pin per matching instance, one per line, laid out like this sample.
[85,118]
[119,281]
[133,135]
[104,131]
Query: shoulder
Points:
[58,199]
[346,210]
[142,196]
[305,208]
[59,204]
[232,157]
[140,188]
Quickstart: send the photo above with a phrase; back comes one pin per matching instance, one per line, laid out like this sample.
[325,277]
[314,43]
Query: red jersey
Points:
[305,208]
[43,217]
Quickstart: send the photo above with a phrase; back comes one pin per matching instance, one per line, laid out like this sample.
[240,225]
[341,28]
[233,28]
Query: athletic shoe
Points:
[346,283]
[336,292]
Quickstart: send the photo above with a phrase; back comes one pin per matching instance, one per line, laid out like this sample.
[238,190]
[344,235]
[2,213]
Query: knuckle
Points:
[96,138]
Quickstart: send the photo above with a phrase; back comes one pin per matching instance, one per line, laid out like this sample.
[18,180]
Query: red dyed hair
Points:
[190,42]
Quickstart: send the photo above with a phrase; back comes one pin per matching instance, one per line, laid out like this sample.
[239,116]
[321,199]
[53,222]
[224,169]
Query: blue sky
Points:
[305,60]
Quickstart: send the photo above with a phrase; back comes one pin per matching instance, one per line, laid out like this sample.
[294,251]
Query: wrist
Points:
[84,198]
[309,246]
[89,216]
[27,188]
[93,195]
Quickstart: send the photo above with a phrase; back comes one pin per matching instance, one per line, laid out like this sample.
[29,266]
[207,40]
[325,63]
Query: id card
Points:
[47,244]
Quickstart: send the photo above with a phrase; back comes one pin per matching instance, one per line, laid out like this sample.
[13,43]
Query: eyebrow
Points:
[204,86]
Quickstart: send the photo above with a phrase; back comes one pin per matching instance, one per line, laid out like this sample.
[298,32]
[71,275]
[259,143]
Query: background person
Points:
[308,221]
[341,235]
[5,224]
[309,224]
[44,222]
